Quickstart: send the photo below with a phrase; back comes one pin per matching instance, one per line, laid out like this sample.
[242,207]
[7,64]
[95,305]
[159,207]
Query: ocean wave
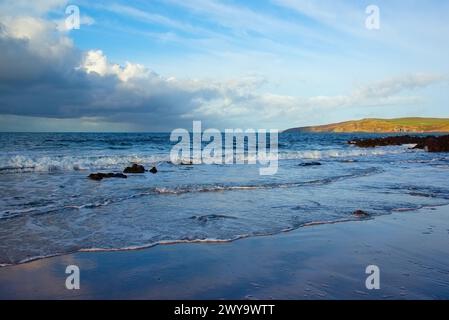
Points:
[10,214]
[14,213]
[203,240]
[169,242]
[27,163]
[39,257]
[165,242]
[349,152]
[220,188]
[185,189]
[343,153]
[20,163]
[127,248]
[180,241]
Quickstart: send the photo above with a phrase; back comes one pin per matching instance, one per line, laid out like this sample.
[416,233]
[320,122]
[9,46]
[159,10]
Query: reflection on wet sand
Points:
[320,262]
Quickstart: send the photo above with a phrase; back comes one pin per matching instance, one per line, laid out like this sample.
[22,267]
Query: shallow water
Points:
[49,207]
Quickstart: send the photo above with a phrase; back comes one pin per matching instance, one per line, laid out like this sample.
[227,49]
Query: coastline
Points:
[408,125]
[316,262]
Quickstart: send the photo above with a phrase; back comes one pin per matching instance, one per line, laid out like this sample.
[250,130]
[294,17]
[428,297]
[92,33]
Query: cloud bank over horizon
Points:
[52,80]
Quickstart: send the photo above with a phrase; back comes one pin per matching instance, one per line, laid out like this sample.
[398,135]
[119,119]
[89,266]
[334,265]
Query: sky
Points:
[158,65]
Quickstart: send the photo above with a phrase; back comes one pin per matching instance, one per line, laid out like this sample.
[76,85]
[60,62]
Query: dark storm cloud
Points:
[48,80]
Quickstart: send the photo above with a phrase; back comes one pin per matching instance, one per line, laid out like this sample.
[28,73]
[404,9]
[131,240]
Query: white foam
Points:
[341,153]
[24,163]
[164,242]
[73,163]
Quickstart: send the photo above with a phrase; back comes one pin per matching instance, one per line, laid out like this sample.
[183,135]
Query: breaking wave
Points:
[185,189]
[71,163]
[179,241]
[24,163]
[220,188]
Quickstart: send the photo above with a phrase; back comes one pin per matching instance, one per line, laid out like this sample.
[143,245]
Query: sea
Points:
[49,206]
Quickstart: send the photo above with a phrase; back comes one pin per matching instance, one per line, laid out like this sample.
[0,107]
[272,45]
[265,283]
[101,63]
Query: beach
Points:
[325,261]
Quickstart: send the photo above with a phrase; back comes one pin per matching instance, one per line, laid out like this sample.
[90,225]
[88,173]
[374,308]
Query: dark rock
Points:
[437,144]
[96,176]
[153,170]
[360,213]
[100,176]
[211,217]
[309,164]
[429,143]
[135,168]
[387,141]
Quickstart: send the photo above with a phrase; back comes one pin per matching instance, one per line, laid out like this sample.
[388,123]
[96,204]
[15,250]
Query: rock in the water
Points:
[387,141]
[310,164]
[96,176]
[135,168]
[153,170]
[211,217]
[100,176]
[429,143]
[360,213]
[437,144]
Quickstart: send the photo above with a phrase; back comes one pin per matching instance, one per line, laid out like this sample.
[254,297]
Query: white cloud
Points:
[31,8]
[149,17]
[40,35]
[246,23]
[279,108]
[96,61]
[389,87]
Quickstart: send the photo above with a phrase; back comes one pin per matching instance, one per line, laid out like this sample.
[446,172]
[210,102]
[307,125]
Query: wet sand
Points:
[317,262]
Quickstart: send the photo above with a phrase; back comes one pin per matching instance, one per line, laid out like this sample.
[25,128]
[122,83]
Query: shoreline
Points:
[325,261]
[217,241]
[197,241]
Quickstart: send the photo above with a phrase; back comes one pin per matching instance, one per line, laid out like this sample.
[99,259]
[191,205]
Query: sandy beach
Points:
[317,262]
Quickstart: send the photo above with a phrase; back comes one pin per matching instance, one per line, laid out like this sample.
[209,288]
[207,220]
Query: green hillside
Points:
[413,125]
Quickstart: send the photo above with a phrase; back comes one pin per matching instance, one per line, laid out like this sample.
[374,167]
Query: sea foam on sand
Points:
[318,262]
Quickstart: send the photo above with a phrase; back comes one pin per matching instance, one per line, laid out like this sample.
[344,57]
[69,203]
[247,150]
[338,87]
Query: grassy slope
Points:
[383,125]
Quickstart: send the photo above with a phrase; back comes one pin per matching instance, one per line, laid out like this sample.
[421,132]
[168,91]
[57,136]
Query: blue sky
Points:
[157,65]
